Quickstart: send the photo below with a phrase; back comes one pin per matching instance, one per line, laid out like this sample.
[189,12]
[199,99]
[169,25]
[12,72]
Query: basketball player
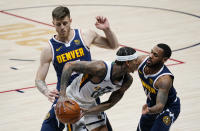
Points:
[95,79]
[162,105]
[68,45]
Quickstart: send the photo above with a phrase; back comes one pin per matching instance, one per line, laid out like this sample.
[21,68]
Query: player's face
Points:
[155,57]
[132,65]
[62,26]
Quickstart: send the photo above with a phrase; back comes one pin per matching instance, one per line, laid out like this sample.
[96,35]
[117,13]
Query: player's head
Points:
[127,56]
[60,13]
[159,55]
[61,20]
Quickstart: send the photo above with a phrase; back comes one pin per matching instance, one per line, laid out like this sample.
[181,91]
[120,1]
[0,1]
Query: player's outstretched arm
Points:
[113,99]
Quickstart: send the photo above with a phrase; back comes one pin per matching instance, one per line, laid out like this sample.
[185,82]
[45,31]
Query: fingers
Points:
[54,93]
[83,112]
[145,109]
[70,101]
[101,19]
[51,99]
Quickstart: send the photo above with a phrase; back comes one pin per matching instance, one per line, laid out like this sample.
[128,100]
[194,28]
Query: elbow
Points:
[108,105]
[36,83]
[160,108]
[115,46]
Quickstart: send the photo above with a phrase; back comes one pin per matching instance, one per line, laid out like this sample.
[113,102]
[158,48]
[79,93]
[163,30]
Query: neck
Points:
[67,37]
[153,69]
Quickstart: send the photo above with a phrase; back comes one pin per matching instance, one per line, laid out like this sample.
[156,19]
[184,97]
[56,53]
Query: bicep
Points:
[162,97]
[164,84]
[90,37]
[94,68]
[101,41]
[45,59]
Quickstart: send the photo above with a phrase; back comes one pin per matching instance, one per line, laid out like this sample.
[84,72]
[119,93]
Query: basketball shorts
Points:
[52,124]
[162,121]
[91,121]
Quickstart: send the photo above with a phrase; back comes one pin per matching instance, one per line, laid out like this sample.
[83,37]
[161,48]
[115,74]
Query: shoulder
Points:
[46,53]
[165,81]
[47,49]
[87,33]
[88,36]
[99,65]
[140,59]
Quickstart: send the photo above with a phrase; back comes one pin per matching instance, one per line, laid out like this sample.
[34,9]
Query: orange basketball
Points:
[68,114]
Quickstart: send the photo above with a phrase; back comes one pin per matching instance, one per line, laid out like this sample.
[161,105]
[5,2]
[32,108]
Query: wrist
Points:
[62,94]
[107,29]
[46,92]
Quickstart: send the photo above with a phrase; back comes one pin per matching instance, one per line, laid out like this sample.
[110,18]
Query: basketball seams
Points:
[69,112]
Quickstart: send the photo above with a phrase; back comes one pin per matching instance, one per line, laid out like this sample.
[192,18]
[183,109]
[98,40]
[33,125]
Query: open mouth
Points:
[149,61]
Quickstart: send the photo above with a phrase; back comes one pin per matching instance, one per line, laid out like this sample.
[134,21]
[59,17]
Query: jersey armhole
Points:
[88,49]
[170,74]
[52,50]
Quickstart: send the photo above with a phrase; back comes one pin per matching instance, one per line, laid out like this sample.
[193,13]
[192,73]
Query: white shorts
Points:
[91,121]
[94,121]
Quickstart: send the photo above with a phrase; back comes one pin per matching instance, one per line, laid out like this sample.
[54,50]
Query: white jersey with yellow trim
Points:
[83,90]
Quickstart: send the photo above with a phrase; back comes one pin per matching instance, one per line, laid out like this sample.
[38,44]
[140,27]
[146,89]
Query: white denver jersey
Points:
[83,90]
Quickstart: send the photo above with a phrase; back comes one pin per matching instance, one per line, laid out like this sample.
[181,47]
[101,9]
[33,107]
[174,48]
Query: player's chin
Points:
[149,64]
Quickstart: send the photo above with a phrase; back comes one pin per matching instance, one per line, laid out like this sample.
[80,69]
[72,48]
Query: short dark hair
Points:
[167,50]
[60,12]
[124,51]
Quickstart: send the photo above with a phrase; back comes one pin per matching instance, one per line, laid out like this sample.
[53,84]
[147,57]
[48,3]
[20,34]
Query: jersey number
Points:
[100,91]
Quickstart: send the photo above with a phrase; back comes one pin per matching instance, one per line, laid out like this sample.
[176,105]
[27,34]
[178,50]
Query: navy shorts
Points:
[162,121]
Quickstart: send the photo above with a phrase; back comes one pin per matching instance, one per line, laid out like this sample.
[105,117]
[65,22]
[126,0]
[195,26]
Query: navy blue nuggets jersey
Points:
[66,52]
[148,82]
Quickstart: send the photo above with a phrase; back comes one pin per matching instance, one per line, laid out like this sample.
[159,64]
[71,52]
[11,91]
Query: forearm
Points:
[111,38]
[99,108]
[66,74]
[114,98]
[161,100]
[41,86]
[158,108]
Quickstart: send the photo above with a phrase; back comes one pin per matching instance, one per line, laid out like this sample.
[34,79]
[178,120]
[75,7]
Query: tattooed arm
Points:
[93,68]
[114,97]
[163,84]
[45,60]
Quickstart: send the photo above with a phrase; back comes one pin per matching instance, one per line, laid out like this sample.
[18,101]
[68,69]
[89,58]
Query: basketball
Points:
[68,114]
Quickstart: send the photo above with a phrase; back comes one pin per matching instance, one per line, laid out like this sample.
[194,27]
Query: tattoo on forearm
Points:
[162,97]
[65,80]
[41,86]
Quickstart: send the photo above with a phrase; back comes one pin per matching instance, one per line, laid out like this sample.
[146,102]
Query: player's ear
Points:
[165,59]
[127,63]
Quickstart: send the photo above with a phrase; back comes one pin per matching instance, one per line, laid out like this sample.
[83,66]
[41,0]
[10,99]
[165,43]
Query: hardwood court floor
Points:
[25,28]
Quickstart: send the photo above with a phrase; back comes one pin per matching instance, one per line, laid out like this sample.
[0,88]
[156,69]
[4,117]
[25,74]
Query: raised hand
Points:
[102,23]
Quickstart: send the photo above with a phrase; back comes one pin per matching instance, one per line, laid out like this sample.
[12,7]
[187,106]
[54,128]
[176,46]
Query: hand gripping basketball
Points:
[67,111]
